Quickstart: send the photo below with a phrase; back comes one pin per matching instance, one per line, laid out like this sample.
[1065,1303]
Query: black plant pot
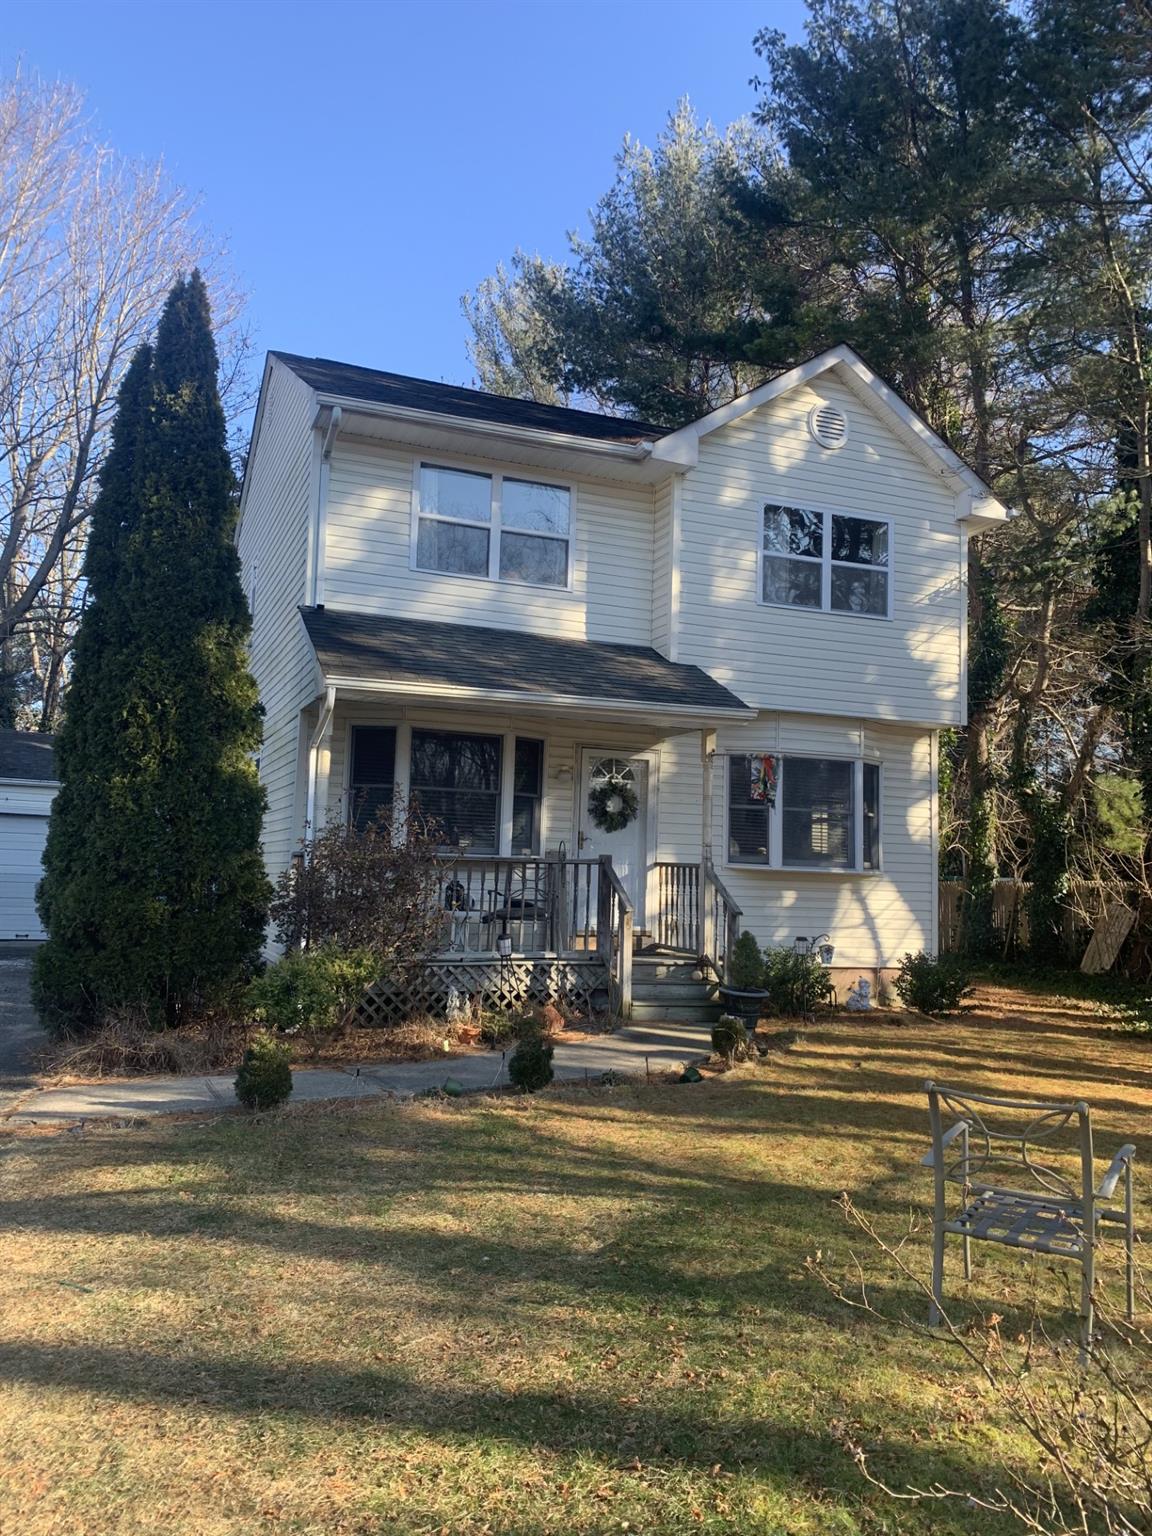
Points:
[745,1005]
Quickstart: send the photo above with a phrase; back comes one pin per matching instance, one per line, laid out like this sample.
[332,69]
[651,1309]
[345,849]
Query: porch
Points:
[524,931]
[570,781]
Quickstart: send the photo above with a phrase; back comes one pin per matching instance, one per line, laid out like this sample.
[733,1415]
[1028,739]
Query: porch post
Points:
[706,892]
[319,766]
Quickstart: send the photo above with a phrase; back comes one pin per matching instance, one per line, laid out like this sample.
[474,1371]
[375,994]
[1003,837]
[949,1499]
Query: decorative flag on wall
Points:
[763,769]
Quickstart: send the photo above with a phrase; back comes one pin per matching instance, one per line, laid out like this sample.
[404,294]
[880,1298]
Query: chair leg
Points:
[967,1246]
[1129,1245]
[1087,1288]
[936,1309]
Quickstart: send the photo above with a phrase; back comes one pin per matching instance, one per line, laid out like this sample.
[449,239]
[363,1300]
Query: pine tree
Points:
[154,894]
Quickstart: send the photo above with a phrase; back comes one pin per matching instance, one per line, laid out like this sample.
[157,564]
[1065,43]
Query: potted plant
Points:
[743,993]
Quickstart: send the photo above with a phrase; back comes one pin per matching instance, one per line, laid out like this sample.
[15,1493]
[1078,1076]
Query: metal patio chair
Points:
[1054,1213]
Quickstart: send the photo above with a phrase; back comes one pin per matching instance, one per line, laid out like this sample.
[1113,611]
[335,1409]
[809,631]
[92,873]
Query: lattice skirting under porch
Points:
[581,984]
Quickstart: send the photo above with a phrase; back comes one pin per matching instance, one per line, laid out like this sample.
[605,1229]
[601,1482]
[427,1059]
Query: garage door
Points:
[21,849]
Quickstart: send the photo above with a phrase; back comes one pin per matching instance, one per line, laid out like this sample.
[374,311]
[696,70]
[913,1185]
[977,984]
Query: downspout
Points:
[331,431]
[322,727]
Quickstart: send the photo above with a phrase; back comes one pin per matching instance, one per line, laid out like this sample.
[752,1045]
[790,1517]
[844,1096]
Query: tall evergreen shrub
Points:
[154,894]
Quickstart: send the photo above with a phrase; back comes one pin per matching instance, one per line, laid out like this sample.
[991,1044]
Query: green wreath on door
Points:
[613,805]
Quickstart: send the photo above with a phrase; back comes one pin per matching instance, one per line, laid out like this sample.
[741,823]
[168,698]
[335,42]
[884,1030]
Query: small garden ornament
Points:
[859,999]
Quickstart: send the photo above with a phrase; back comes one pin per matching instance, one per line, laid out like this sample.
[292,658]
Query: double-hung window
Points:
[825,560]
[527,794]
[495,526]
[372,777]
[454,779]
[820,813]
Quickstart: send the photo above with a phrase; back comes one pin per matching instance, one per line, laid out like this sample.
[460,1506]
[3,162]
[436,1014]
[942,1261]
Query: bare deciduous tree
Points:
[90,244]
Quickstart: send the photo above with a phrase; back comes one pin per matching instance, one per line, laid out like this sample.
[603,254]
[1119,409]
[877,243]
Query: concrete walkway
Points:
[658,1046]
[20,1033]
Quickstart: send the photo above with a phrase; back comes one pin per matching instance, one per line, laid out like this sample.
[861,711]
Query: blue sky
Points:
[369,162]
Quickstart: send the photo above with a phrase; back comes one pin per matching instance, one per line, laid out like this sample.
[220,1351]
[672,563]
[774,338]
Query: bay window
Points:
[496,526]
[825,560]
[793,812]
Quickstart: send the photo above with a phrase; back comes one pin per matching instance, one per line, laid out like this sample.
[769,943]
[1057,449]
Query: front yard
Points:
[586,1312]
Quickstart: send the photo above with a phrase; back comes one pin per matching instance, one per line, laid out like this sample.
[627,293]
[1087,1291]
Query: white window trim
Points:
[775,864]
[402,774]
[494,526]
[825,561]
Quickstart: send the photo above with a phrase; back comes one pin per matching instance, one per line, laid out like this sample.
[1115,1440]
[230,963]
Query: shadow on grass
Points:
[571,1422]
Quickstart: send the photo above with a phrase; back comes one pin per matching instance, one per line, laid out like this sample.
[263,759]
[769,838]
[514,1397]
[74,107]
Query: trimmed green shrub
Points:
[796,983]
[933,983]
[498,1029]
[746,964]
[729,1037]
[265,1078]
[154,893]
[311,991]
[530,1065]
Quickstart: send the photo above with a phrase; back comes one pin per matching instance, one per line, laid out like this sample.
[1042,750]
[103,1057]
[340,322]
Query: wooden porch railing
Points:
[719,919]
[545,906]
[614,938]
[677,924]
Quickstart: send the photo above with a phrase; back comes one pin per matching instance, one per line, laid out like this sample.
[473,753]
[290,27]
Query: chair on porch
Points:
[1048,1149]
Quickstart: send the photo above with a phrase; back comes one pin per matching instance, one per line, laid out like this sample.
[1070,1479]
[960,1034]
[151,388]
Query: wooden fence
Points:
[1086,905]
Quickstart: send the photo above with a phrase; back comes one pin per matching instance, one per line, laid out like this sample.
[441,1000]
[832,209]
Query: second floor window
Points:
[825,560]
[495,526]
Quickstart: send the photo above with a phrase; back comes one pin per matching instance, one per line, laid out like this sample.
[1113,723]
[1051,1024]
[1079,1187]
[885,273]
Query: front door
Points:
[600,773]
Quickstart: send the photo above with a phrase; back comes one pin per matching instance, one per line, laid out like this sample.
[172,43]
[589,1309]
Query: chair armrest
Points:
[949,1136]
[1108,1183]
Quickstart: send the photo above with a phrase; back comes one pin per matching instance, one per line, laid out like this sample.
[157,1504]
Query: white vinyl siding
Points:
[273,545]
[369,567]
[665,577]
[874,917]
[812,660]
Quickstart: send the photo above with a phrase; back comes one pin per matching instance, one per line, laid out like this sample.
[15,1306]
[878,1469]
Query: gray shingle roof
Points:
[27,755]
[372,384]
[419,653]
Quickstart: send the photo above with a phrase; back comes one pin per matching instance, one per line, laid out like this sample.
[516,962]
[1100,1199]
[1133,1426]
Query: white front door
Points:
[627,845]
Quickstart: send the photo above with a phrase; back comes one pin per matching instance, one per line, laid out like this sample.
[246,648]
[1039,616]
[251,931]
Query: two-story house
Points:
[653,686]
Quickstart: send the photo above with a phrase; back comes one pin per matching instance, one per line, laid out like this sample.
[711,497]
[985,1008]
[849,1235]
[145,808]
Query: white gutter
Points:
[320,511]
[512,696]
[632,452]
[314,745]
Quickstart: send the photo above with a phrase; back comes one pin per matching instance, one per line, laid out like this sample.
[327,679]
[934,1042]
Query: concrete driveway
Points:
[20,1033]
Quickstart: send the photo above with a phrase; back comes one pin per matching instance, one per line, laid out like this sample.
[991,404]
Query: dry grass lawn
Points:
[582,1313]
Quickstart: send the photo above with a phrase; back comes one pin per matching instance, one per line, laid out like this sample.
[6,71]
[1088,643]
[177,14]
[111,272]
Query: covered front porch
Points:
[573,822]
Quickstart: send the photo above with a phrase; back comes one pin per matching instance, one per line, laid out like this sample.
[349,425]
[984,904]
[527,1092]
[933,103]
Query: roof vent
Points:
[828,425]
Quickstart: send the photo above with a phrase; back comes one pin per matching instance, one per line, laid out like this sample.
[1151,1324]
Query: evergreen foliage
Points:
[312,991]
[962,190]
[530,1065]
[746,964]
[933,984]
[154,894]
[264,1078]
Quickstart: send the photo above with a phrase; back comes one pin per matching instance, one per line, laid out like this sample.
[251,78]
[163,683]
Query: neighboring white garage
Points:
[27,784]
